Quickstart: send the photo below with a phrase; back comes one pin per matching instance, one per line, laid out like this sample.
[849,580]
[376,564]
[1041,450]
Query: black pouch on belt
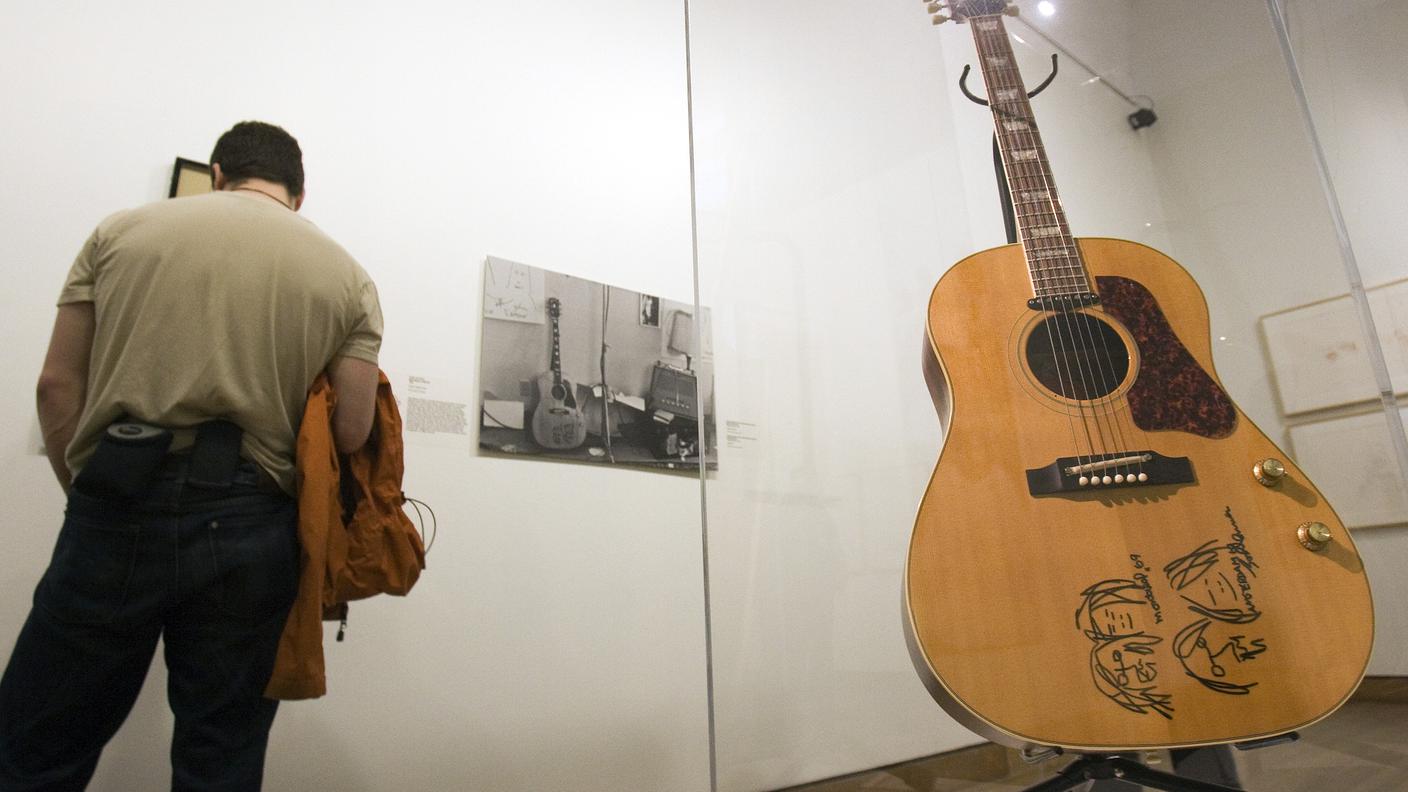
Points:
[122,465]
[216,455]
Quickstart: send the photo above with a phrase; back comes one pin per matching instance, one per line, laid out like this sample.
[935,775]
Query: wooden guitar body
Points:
[558,422]
[1117,617]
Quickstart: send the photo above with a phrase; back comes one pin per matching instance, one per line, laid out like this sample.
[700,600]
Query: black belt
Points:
[129,454]
[177,465]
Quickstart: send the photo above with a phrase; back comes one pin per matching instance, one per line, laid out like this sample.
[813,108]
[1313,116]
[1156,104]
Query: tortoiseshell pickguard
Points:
[1172,390]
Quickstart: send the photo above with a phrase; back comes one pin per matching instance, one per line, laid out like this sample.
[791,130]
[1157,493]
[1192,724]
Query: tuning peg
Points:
[1011,10]
[939,19]
[935,8]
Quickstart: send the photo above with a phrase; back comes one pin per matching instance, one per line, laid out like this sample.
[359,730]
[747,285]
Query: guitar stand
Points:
[605,389]
[1091,767]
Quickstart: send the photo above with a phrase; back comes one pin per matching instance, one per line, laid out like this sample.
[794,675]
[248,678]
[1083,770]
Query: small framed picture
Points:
[189,177]
[649,311]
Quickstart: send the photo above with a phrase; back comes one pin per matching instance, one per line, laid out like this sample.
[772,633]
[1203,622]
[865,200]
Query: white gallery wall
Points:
[556,640]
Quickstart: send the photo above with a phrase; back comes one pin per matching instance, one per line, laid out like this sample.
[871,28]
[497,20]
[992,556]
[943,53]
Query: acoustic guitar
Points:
[1109,554]
[558,423]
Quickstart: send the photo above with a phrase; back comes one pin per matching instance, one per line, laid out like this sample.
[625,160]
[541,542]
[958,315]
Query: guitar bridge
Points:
[1108,471]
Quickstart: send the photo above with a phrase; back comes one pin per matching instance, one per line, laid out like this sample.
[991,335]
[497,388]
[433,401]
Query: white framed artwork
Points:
[1352,461]
[1318,352]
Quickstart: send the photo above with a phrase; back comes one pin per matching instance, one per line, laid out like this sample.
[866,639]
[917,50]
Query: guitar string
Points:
[1085,330]
[1061,375]
[1064,371]
[1122,406]
[1076,326]
[1064,339]
[1083,327]
[1107,406]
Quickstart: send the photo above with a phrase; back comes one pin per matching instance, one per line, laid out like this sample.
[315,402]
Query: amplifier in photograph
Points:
[675,391]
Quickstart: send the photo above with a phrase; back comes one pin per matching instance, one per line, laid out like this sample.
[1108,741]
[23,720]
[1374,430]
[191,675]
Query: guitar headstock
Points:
[960,10]
[554,307]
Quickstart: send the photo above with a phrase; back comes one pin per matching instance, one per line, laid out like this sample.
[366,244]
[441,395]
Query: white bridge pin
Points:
[1107,480]
[1085,481]
[1143,476]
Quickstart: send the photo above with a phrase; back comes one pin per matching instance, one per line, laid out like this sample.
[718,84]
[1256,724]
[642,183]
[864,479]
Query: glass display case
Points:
[843,173]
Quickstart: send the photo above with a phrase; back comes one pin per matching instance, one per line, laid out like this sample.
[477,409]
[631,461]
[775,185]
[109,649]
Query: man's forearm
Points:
[63,382]
[60,404]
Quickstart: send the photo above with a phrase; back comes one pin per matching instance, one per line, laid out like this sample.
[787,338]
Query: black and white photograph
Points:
[575,370]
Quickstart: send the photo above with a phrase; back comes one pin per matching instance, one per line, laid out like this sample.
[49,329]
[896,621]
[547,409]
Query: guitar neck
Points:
[1057,272]
[556,354]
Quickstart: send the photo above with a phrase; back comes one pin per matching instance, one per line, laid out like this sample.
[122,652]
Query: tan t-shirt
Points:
[224,305]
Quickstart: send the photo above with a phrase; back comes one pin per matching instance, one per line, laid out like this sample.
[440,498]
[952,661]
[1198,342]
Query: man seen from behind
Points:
[188,334]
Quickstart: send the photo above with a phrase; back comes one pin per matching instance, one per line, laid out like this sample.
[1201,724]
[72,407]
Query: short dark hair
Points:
[256,150]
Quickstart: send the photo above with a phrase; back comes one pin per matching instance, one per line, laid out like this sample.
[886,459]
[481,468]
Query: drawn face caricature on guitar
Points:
[1109,554]
[558,423]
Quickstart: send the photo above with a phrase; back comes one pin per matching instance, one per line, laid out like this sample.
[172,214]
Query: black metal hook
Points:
[963,83]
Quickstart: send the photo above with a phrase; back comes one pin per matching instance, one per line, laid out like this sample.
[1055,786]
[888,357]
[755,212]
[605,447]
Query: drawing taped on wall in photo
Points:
[580,371]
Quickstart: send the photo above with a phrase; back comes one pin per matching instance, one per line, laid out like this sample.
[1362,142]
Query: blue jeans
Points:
[211,572]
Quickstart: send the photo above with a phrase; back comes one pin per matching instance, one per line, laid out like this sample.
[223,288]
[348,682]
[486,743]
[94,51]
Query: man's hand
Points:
[63,383]
[354,381]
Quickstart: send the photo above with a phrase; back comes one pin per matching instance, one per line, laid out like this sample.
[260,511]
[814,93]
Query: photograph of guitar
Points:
[558,423]
[573,370]
[1109,554]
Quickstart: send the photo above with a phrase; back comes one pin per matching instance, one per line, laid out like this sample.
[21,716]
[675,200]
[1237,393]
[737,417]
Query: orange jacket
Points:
[374,551]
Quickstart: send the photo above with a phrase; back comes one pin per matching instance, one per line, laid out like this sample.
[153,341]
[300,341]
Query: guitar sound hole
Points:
[1077,356]
[558,393]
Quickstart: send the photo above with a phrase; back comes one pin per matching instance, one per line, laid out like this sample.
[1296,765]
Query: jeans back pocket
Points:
[256,562]
[90,572]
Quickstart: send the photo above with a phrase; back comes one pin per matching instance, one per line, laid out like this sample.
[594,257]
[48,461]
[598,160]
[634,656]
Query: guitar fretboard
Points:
[554,310]
[1053,261]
